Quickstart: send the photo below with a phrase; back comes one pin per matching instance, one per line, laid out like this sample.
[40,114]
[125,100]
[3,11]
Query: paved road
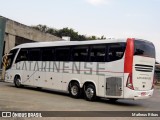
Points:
[31,99]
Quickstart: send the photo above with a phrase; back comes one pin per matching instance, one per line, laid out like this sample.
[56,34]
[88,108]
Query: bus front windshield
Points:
[11,58]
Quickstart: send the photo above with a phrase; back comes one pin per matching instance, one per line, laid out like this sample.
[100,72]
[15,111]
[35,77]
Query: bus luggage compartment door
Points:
[114,86]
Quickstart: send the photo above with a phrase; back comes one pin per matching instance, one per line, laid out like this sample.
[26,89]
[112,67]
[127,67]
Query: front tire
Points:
[75,90]
[90,92]
[17,81]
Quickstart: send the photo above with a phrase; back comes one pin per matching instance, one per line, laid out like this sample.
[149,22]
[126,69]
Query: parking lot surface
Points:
[32,99]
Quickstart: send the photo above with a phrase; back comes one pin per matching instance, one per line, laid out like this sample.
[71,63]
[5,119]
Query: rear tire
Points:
[17,82]
[90,92]
[74,90]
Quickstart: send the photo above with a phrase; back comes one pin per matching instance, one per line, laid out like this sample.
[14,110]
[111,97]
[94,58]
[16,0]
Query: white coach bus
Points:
[113,68]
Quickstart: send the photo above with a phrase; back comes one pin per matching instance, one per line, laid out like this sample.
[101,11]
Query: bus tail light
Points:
[128,64]
[129,82]
[154,82]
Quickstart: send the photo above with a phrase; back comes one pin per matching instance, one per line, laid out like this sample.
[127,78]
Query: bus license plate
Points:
[143,93]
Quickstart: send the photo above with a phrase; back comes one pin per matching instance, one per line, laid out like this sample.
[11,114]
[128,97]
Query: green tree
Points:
[75,36]
[42,28]
[68,32]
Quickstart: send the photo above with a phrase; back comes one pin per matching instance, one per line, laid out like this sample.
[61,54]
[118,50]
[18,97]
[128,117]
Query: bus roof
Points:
[67,43]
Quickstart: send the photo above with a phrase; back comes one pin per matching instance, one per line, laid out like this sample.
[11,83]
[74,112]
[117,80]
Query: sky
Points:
[111,18]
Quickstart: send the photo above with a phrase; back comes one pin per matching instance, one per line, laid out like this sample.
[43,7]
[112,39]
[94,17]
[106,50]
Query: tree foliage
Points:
[75,36]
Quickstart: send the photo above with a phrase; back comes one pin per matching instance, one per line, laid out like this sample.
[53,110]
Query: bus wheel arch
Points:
[90,91]
[74,89]
[17,81]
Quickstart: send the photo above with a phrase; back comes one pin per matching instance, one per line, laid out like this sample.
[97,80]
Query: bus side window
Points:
[22,56]
[62,53]
[116,51]
[80,53]
[35,55]
[98,53]
[48,54]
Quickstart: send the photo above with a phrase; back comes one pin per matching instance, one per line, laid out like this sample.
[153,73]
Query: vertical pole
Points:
[2,33]
[4,60]
[3,73]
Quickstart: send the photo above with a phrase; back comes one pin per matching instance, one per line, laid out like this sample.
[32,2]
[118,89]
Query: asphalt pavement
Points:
[33,99]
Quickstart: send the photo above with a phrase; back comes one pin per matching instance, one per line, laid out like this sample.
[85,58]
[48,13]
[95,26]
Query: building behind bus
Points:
[13,33]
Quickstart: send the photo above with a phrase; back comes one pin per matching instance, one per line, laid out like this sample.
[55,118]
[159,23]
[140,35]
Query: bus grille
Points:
[143,68]
[114,86]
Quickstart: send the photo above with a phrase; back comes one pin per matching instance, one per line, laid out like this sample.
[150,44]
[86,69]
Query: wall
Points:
[17,29]
[2,31]
[14,33]
[17,33]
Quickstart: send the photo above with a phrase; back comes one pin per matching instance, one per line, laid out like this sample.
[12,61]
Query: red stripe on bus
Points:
[128,61]
[89,70]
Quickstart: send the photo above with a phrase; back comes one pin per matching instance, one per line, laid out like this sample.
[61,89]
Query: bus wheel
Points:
[74,90]
[90,92]
[17,82]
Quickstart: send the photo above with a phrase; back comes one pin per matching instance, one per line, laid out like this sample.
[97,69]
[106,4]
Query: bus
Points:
[112,68]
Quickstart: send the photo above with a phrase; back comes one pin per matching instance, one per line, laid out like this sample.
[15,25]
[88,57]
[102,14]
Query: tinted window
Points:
[62,54]
[144,48]
[116,51]
[98,53]
[35,55]
[48,54]
[22,56]
[80,53]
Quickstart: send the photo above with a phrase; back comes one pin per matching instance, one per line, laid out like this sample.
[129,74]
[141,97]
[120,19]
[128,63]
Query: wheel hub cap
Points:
[74,90]
[89,93]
